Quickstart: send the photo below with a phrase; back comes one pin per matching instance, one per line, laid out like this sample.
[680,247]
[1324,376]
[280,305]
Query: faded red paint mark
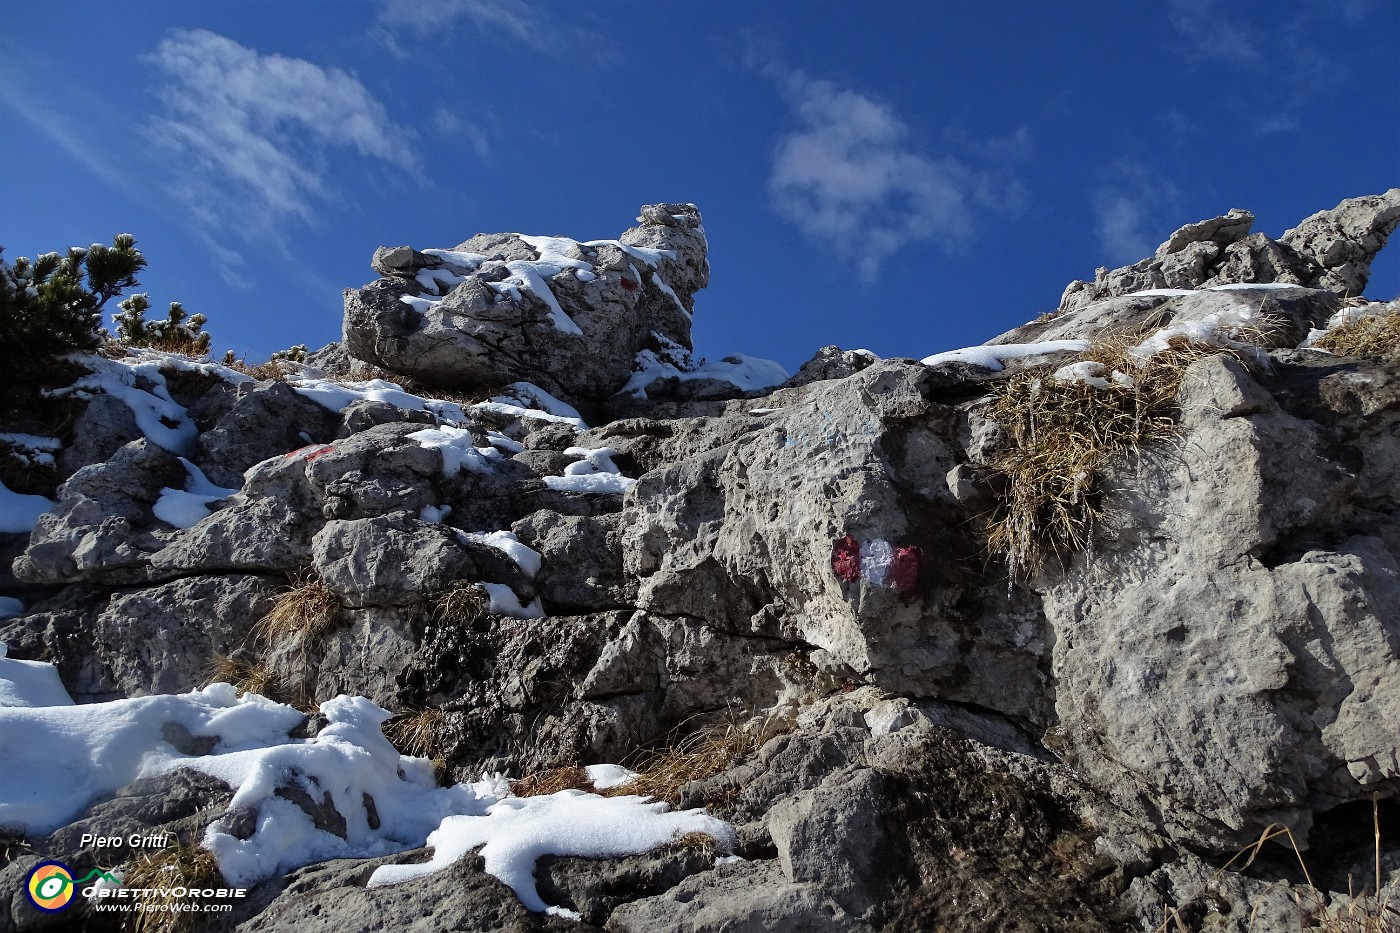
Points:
[903,574]
[629,284]
[316,450]
[845,559]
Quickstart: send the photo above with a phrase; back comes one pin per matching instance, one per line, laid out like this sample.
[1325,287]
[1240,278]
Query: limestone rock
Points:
[500,308]
[1331,250]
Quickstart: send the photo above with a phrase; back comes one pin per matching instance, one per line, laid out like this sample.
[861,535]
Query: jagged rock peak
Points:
[564,314]
[1330,250]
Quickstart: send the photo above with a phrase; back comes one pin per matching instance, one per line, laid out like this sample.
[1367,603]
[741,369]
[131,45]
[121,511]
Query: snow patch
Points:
[458,449]
[139,384]
[28,683]
[505,602]
[19,513]
[993,357]
[517,831]
[593,473]
[185,508]
[526,558]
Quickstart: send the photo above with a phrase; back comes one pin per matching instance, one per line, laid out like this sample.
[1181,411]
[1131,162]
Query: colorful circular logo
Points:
[50,886]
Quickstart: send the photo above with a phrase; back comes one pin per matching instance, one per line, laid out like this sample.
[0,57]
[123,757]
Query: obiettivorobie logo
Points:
[50,885]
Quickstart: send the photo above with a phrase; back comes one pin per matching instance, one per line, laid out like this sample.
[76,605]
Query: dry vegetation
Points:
[661,772]
[248,675]
[301,614]
[460,602]
[1375,335]
[177,866]
[1061,435]
[419,733]
[1360,913]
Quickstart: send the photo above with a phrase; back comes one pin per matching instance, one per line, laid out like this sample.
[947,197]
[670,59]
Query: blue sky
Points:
[905,177]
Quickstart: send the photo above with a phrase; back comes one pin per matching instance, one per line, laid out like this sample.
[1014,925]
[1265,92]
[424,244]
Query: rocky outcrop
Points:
[499,308]
[1079,746]
[1330,250]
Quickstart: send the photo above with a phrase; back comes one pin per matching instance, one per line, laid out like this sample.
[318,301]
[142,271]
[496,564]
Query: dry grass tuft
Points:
[301,614]
[249,675]
[688,756]
[701,754]
[704,843]
[460,602]
[177,866]
[1061,435]
[569,777]
[1375,335]
[1360,914]
[419,733]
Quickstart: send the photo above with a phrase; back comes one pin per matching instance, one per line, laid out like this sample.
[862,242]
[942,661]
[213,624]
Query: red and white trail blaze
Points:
[877,561]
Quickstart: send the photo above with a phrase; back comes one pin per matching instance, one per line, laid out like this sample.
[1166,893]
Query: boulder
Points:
[1331,250]
[500,308]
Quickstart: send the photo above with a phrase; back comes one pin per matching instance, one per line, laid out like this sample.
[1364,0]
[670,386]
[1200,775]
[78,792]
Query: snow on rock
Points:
[527,559]
[527,400]
[185,508]
[1212,330]
[746,373]
[337,396]
[992,357]
[458,449]
[348,763]
[31,449]
[1088,372]
[19,513]
[60,758]
[28,683]
[594,472]
[517,831]
[504,602]
[139,384]
[606,777]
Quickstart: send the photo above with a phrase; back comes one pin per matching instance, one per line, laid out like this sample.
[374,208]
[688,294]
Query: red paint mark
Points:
[629,284]
[845,559]
[316,450]
[903,574]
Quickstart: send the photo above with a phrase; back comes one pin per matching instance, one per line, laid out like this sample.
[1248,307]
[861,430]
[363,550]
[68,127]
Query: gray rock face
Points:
[1076,751]
[101,530]
[500,308]
[1330,250]
[1201,681]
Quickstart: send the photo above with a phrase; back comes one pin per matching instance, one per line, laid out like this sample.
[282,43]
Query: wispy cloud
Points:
[1269,53]
[1130,211]
[516,22]
[250,133]
[850,177]
[451,124]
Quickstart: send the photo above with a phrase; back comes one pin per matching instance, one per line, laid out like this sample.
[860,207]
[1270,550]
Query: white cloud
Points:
[1130,212]
[449,124]
[849,178]
[250,132]
[515,21]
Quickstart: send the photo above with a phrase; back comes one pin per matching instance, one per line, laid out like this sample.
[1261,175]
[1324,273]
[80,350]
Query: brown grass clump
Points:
[177,866]
[542,783]
[694,756]
[248,675]
[1061,435]
[1360,914]
[1375,335]
[460,602]
[418,733]
[701,754]
[301,614]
